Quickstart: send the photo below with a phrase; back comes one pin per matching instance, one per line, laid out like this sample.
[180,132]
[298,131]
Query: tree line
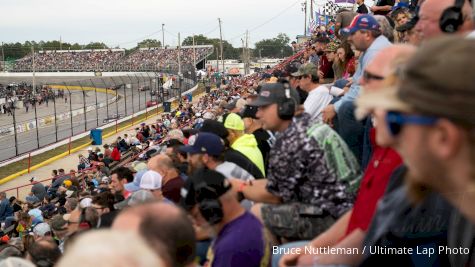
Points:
[271,48]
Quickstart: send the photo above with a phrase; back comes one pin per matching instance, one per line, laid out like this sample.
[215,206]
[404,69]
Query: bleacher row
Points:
[143,59]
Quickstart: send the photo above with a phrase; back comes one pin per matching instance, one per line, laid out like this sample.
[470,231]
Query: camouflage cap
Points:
[306,69]
[332,47]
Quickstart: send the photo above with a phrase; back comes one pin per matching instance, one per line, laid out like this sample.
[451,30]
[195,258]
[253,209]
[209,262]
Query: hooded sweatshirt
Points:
[247,145]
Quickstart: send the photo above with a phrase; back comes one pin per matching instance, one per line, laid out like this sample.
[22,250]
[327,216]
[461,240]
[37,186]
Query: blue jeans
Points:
[277,256]
[367,146]
[340,83]
[32,199]
[202,250]
[350,129]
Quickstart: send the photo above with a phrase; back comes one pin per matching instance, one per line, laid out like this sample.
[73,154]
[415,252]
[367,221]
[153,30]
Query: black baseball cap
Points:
[216,127]
[249,112]
[201,185]
[275,93]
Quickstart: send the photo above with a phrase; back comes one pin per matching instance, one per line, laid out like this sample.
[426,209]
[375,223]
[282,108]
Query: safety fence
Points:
[52,111]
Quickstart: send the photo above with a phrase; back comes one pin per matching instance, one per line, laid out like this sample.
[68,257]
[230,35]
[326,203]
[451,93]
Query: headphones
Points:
[452,17]
[210,207]
[286,108]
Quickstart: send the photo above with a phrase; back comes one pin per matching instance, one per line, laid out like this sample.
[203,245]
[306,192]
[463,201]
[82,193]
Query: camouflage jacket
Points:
[303,169]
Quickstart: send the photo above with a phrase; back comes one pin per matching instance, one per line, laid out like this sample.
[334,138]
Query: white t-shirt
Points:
[316,101]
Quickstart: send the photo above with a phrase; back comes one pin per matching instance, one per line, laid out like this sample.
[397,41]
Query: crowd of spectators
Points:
[160,58]
[24,92]
[76,60]
[317,162]
[109,59]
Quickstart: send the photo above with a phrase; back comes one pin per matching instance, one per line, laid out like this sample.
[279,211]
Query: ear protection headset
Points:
[452,17]
[286,108]
[209,204]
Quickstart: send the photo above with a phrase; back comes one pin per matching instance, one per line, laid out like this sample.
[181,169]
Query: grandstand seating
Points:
[143,59]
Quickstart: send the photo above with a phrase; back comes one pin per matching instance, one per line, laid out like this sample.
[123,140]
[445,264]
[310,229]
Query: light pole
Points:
[260,59]
[163,35]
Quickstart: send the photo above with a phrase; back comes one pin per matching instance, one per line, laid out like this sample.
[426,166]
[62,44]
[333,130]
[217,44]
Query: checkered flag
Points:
[330,8]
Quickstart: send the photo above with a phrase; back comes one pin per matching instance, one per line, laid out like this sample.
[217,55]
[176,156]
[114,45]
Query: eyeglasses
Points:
[395,121]
[370,76]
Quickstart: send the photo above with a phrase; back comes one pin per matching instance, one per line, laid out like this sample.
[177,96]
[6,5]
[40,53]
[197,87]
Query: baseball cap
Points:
[205,143]
[234,122]
[331,47]
[201,185]
[291,68]
[137,166]
[231,105]
[361,22]
[67,183]
[36,214]
[85,202]
[58,223]
[135,184]
[139,197]
[274,93]
[306,69]
[212,126]
[435,81]
[249,112]
[151,180]
[41,229]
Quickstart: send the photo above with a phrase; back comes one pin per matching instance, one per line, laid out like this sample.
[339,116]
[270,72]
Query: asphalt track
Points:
[131,100]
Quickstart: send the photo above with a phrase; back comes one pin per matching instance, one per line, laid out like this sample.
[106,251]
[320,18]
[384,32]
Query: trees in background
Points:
[277,47]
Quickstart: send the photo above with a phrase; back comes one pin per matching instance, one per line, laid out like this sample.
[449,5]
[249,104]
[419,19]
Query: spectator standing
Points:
[344,17]
[362,8]
[382,7]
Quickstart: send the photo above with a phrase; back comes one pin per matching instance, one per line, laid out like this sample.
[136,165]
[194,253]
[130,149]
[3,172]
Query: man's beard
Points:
[192,168]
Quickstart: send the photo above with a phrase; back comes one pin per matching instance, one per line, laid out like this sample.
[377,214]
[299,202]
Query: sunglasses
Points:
[369,76]
[396,120]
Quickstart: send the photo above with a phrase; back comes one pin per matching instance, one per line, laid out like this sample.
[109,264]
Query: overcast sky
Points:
[125,22]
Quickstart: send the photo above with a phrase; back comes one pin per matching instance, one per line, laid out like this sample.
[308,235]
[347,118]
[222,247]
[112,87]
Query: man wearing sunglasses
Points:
[430,113]
[365,35]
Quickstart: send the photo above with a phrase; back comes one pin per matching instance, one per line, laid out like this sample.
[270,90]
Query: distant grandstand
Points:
[104,60]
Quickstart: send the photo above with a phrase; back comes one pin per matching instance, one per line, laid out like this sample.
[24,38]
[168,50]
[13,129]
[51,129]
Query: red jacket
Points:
[115,155]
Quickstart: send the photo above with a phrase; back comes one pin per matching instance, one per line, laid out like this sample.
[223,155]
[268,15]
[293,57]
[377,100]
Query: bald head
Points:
[160,162]
[385,62]
[431,12]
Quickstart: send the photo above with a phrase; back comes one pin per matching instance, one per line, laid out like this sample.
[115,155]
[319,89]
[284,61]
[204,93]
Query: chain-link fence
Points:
[56,110]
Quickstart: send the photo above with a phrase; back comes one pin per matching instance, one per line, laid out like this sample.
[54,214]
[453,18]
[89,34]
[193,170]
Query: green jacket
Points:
[247,145]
